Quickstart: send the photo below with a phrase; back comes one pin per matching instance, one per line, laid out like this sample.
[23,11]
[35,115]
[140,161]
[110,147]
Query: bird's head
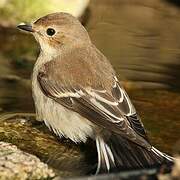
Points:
[56,31]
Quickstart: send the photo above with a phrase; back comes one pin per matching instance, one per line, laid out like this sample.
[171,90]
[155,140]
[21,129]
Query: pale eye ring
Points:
[50,31]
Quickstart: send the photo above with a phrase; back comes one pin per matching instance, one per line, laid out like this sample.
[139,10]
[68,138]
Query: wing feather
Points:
[128,109]
[98,106]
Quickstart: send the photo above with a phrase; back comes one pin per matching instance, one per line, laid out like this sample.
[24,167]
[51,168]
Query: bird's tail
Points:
[117,153]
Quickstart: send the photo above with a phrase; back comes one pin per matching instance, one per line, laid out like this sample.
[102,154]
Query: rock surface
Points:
[16,164]
[64,157]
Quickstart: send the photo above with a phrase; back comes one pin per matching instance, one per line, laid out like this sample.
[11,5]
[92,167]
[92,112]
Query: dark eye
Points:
[50,31]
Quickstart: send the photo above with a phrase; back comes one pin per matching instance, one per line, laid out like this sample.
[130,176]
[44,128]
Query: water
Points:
[142,43]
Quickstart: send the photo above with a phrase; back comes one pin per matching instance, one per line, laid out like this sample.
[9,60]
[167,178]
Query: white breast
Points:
[61,120]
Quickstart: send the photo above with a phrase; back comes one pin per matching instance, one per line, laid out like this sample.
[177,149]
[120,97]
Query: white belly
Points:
[61,120]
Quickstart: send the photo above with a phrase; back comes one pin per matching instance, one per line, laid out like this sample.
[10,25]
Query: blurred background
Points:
[140,38]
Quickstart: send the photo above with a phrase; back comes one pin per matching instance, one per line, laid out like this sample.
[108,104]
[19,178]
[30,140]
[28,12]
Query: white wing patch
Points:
[103,104]
[106,112]
[66,93]
[123,97]
[97,96]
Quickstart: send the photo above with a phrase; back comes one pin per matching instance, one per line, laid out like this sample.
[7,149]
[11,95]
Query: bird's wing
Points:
[97,105]
[124,103]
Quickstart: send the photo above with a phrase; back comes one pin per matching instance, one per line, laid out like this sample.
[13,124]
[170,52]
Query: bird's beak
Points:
[26,27]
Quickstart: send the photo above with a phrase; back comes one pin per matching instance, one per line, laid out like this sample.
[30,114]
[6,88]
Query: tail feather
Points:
[117,153]
[165,156]
[105,156]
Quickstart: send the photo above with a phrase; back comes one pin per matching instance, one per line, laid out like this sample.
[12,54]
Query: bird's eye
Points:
[50,31]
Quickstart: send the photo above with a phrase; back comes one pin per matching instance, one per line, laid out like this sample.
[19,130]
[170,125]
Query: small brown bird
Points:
[77,94]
